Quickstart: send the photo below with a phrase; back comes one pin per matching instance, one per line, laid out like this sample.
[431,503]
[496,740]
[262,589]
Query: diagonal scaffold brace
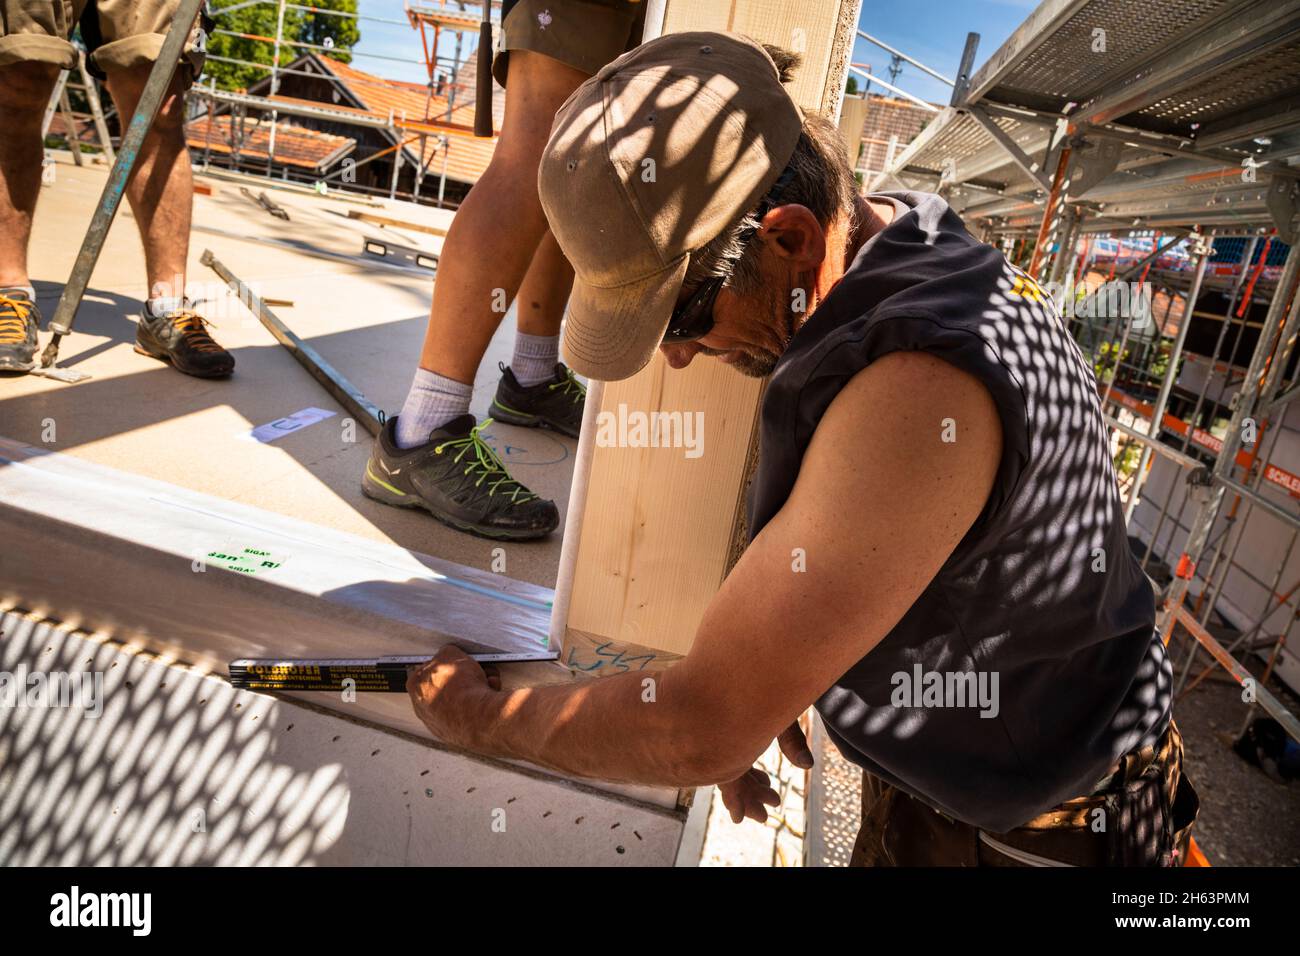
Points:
[128,152]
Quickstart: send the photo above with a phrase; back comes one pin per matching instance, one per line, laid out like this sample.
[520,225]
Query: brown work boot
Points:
[19,319]
[181,338]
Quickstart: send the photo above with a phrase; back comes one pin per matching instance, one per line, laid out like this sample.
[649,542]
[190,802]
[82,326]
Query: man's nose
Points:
[679,354]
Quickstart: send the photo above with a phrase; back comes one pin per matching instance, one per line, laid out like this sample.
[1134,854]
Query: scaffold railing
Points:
[403,129]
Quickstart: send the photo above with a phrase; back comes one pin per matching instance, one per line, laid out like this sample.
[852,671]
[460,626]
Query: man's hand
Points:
[445,693]
[750,793]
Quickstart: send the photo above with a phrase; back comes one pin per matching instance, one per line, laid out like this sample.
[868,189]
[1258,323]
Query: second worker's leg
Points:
[432,456]
[161,193]
[488,249]
[537,390]
[24,92]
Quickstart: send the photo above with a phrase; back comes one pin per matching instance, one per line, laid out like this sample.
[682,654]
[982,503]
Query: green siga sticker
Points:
[244,560]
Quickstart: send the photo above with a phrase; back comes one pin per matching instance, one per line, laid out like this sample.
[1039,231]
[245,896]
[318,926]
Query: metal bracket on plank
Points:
[1094,160]
[1283,203]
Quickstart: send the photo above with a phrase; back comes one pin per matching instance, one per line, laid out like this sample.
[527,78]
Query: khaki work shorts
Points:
[119,34]
[583,34]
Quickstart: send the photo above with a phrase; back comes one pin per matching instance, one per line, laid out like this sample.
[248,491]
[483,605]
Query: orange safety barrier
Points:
[1245,459]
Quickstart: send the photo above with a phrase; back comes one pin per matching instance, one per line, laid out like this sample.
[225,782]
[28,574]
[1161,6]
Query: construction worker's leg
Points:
[33,48]
[161,194]
[545,289]
[490,245]
[586,34]
[24,92]
[540,309]
[124,40]
[546,51]
[161,190]
[25,89]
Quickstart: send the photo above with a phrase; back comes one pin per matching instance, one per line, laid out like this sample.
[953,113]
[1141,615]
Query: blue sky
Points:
[932,31]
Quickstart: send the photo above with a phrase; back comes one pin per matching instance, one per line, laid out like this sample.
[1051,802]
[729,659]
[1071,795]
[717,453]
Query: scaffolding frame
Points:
[437,16]
[1210,464]
[1186,131]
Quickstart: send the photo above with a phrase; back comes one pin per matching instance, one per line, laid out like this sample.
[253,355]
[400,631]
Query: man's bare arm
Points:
[880,503]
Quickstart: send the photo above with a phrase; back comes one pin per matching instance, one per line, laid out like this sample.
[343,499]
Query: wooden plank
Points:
[400,223]
[815,29]
[652,532]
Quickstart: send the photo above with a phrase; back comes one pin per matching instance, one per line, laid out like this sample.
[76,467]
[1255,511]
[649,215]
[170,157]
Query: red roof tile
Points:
[85,130]
[294,145]
[466,157]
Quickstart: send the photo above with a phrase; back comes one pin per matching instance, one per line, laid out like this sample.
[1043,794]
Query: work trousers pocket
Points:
[1149,826]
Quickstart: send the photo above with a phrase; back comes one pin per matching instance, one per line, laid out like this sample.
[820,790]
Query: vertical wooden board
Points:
[655,535]
[806,28]
[658,527]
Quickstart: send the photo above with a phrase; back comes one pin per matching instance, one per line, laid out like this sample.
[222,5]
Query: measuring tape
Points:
[375,674]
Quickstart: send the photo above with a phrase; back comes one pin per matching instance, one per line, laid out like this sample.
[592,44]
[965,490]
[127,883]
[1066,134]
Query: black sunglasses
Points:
[693,319]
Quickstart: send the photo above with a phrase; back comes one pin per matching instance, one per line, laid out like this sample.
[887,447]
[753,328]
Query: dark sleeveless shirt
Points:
[1042,594]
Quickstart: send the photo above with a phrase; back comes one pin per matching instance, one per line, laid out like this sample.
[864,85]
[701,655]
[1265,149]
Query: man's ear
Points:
[794,235]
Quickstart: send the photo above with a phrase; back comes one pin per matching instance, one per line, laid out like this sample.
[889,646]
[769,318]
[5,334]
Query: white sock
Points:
[162,305]
[432,402]
[535,357]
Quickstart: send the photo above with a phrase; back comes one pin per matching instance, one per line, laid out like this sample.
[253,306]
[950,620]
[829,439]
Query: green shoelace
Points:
[487,463]
[570,385]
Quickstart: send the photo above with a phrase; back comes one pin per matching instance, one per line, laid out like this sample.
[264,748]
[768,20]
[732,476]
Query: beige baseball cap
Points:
[649,160]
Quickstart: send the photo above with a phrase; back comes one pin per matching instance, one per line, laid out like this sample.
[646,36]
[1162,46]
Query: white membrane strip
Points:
[365,579]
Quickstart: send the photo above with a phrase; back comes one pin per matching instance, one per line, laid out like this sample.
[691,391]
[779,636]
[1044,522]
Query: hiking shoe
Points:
[556,404]
[458,479]
[19,319]
[181,338]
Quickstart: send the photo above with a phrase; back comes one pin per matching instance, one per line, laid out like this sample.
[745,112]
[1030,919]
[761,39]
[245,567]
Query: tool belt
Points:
[1140,814]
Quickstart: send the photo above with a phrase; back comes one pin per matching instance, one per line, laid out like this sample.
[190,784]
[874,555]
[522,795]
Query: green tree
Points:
[256,26]
[323,29]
